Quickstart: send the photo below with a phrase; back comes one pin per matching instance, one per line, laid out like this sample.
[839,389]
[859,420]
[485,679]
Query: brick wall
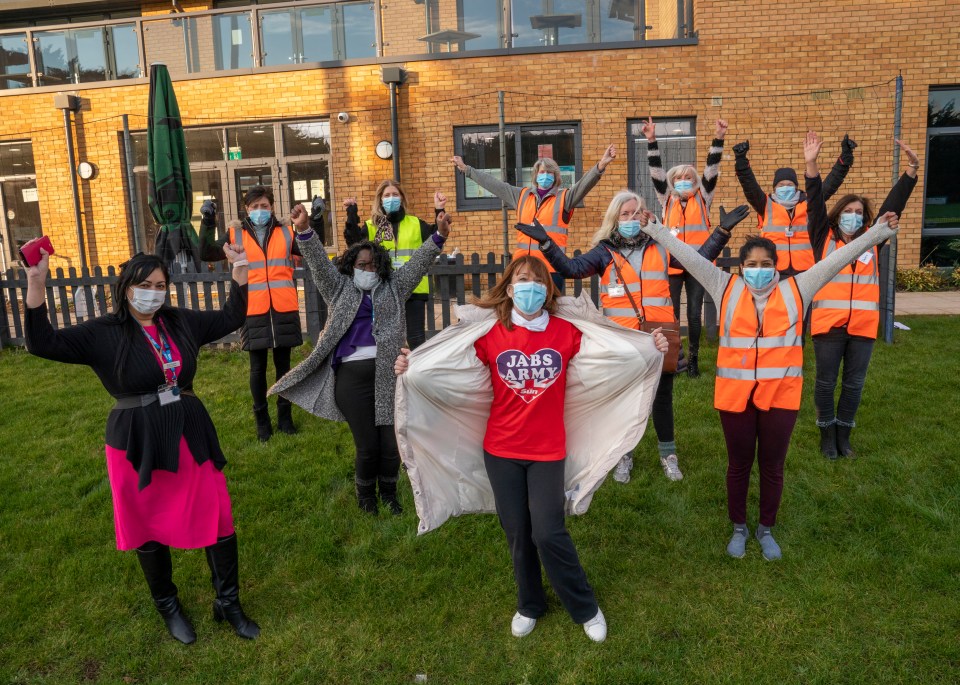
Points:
[762,59]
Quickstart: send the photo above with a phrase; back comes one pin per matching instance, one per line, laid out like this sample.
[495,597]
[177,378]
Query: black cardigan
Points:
[149,435]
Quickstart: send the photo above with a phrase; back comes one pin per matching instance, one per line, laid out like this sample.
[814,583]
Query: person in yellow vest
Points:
[273,308]
[760,360]
[633,281]
[400,233]
[685,200]
[782,214]
[545,200]
[846,311]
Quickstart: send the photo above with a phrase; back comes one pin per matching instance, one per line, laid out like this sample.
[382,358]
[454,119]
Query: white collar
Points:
[538,325]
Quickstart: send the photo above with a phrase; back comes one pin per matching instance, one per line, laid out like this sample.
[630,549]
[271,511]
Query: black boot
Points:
[693,369]
[264,430]
[828,441]
[284,419]
[367,496]
[158,570]
[222,558]
[843,441]
[388,495]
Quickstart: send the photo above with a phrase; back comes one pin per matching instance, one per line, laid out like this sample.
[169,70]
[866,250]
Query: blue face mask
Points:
[259,217]
[544,181]
[850,222]
[629,229]
[785,193]
[391,204]
[758,277]
[683,186]
[529,297]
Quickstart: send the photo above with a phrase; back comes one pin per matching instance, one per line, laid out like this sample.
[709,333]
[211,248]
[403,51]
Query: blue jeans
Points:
[831,349]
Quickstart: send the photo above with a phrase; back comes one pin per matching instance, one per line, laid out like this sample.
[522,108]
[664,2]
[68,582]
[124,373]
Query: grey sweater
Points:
[310,384]
[715,280]
[510,195]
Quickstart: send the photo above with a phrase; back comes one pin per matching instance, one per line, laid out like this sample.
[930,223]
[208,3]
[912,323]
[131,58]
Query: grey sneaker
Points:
[522,625]
[769,546]
[737,546]
[621,473]
[670,467]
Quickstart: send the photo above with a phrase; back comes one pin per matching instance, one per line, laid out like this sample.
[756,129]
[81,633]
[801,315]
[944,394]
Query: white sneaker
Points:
[596,627]
[521,625]
[621,473]
[670,467]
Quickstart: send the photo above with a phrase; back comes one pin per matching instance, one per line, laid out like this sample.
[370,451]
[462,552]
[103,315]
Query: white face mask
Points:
[365,280]
[147,301]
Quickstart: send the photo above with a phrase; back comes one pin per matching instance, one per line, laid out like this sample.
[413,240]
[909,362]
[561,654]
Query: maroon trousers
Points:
[764,436]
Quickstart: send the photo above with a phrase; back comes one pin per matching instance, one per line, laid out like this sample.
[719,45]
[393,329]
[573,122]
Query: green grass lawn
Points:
[867,590]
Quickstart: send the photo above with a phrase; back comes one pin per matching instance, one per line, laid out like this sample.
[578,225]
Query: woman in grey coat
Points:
[349,375]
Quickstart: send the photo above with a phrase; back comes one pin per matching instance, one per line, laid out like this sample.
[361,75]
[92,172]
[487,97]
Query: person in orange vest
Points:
[760,360]
[685,200]
[547,200]
[782,214]
[273,308]
[846,311]
[633,273]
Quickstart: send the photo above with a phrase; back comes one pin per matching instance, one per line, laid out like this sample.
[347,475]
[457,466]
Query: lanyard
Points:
[163,352]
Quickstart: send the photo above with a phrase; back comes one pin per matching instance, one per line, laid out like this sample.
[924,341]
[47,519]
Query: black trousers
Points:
[415,313]
[832,348]
[694,306]
[529,497]
[258,374]
[663,408]
[377,453]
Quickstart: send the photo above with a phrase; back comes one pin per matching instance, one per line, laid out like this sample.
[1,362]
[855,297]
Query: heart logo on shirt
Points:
[529,376]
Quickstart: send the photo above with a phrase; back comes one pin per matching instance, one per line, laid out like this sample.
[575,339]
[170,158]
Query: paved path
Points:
[927,303]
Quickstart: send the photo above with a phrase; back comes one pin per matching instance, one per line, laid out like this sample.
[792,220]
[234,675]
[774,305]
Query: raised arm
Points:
[752,190]
[578,191]
[816,214]
[711,169]
[810,281]
[840,168]
[213,325]
[510,195]
[407,278]
[896,200]
[439,207]
[658,174]
[354,229]
[211,249]
[325,274]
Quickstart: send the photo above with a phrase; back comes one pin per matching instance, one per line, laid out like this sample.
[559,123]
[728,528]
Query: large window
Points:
[940,242]
[525,144]
[102,53]
[676,140]
[19,200]
[14,61]
[317,34]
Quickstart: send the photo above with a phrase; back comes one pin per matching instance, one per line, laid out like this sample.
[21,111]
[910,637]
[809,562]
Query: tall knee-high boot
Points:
[158,570]
[224,573]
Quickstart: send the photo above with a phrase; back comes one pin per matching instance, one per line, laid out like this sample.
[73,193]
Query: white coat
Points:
[443,402]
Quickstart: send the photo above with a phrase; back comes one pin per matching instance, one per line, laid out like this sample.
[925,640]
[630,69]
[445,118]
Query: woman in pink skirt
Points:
[163,456]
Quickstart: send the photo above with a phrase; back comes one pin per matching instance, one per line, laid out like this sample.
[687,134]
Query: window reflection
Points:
[14,62]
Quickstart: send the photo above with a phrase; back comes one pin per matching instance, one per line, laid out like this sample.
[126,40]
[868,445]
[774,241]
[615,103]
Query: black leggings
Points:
[663,408]
[377,453]
[694,306]
[258,374]
[415,312]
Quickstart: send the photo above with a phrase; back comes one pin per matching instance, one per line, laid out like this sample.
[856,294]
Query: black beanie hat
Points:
[784,174]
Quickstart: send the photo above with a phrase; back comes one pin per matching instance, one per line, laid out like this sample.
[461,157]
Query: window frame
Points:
[488,203]
[634,181]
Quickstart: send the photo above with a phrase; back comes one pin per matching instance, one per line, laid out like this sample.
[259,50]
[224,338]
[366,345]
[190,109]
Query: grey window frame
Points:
[638,177]
[487,203]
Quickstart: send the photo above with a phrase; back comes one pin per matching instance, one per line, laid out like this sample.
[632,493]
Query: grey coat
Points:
[310,384]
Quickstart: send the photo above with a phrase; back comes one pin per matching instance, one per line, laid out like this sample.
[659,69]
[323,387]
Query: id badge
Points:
[397,263]
[866,258]
[168,394]
[788,233]
[616,291]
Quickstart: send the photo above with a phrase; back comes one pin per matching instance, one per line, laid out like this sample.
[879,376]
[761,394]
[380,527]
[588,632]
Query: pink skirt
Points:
[188,509]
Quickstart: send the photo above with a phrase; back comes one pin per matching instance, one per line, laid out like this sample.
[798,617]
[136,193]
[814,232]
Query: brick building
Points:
[260,87]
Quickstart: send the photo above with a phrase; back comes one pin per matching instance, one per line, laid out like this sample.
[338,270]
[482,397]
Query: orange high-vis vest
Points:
[270,281]
[763,360]
[690,223]
[650,288]
[789,234]
[851,298]
[549,214]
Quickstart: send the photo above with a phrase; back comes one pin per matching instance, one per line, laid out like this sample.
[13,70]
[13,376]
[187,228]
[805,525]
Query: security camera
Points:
[343,117]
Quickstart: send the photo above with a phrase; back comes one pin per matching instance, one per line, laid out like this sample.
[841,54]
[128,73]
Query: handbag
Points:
[671,329]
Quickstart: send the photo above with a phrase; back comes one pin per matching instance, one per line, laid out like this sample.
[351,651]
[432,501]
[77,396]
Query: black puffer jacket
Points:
[260,331]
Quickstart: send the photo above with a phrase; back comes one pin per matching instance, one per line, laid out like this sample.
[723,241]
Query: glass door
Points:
[306,180]
[208,185]
[246,177]
[20,220]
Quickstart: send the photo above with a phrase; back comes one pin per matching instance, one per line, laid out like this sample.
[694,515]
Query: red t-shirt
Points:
[529,374]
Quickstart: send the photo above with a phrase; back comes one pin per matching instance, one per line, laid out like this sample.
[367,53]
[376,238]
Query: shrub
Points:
[923,280]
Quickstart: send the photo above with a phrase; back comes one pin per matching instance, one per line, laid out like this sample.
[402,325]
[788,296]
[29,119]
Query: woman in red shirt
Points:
[524,446]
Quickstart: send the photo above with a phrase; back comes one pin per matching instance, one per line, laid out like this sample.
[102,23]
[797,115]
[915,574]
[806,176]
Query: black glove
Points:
[847,146]
[535,231]
[208,212]
[729,221]
[317,208]
[741,149]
